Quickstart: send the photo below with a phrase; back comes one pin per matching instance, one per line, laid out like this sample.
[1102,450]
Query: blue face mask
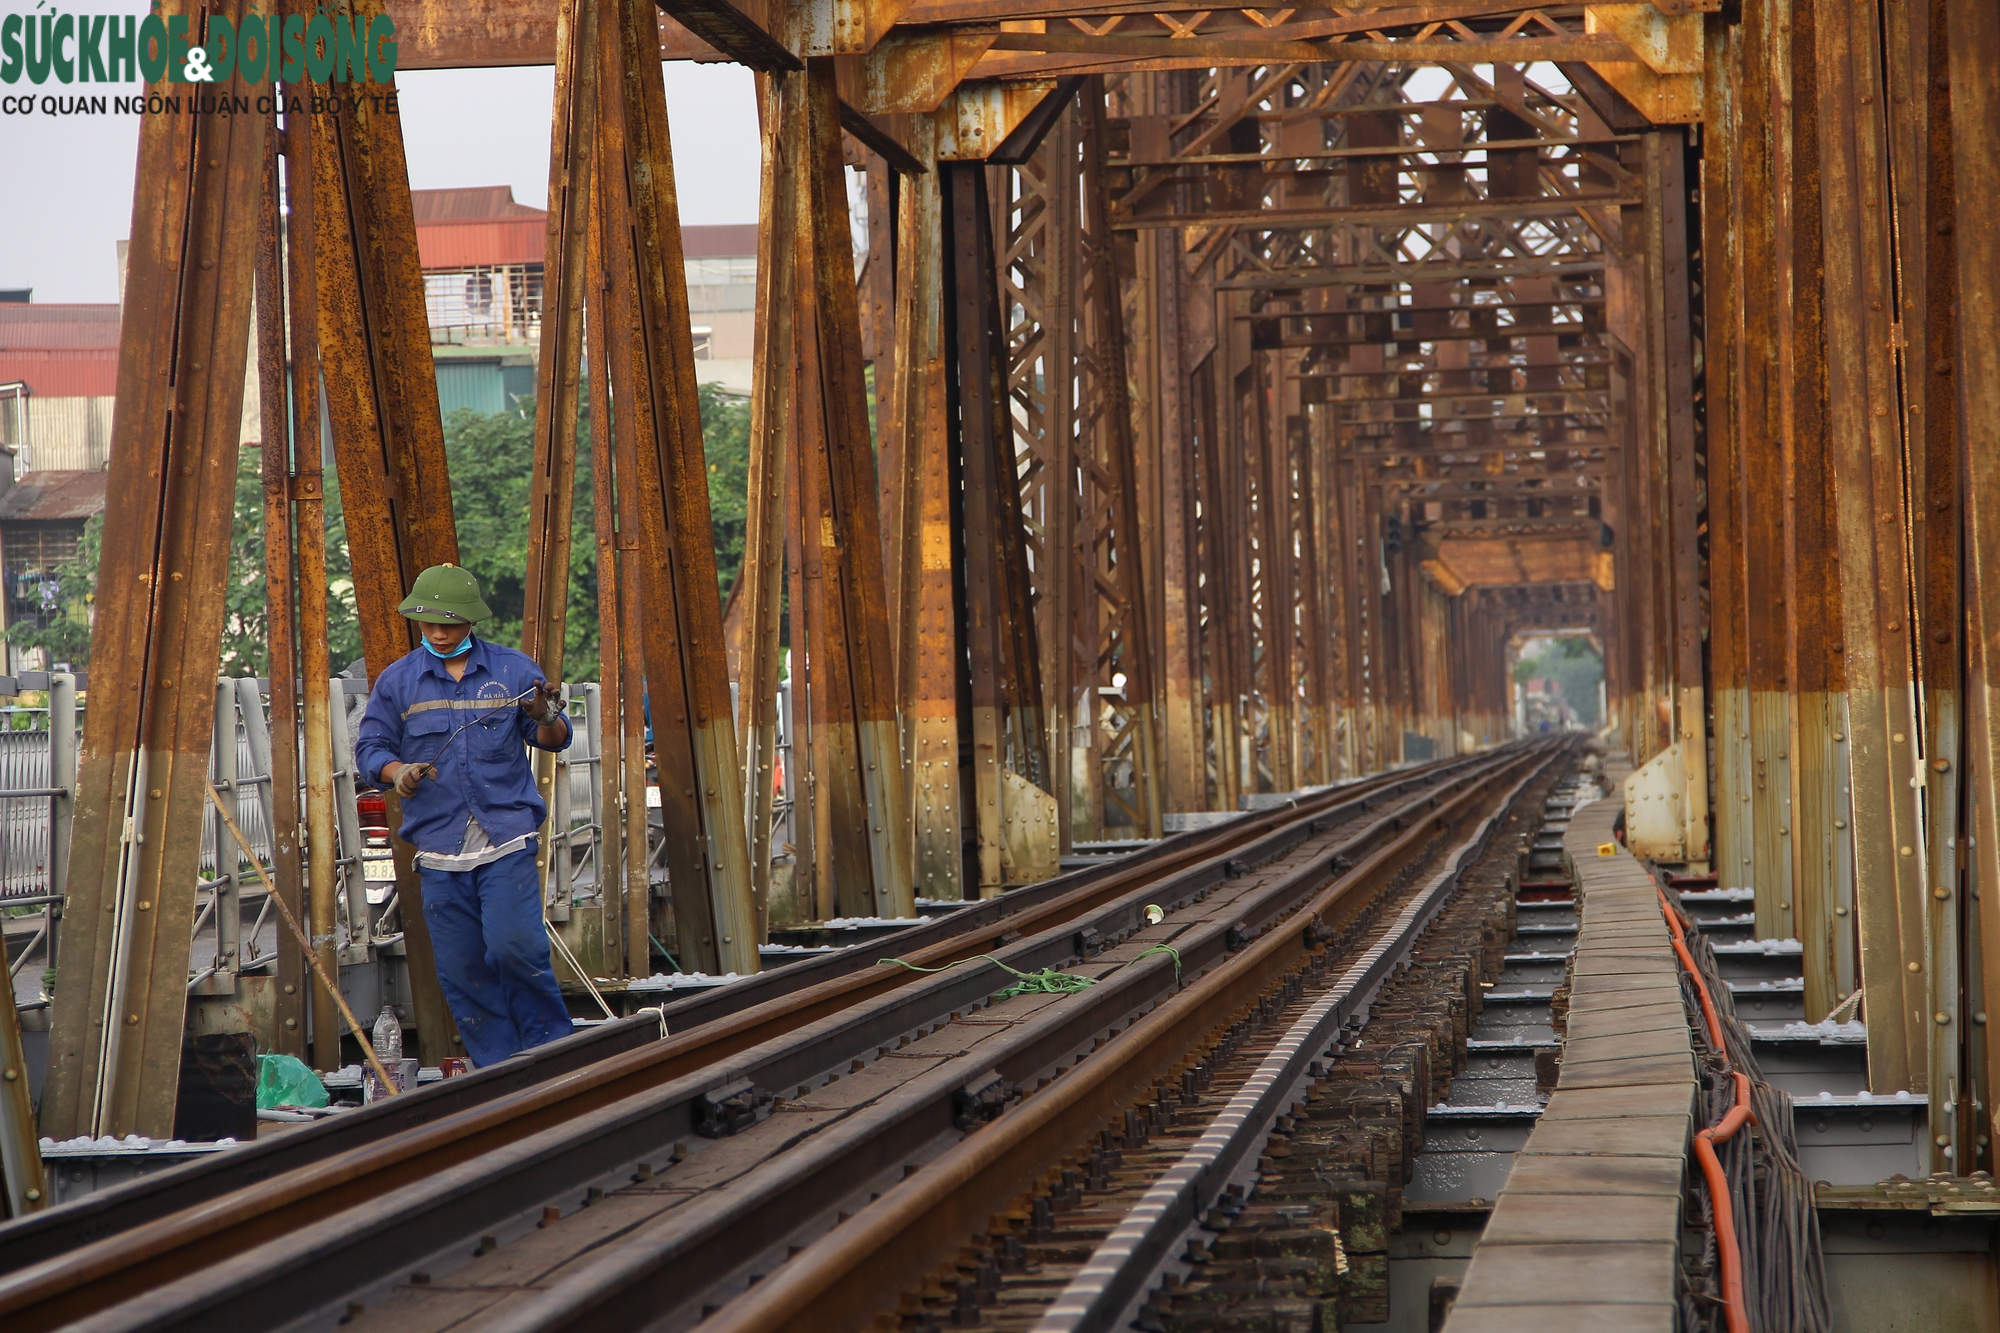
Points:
[464,647]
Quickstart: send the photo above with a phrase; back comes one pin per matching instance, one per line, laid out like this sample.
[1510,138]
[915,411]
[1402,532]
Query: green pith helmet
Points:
[445,595]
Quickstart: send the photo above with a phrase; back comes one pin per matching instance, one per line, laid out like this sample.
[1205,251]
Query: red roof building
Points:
[477,228]
[60,351]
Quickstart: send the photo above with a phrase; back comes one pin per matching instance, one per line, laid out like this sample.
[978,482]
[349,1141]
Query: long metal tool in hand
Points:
[312,958]
[474,721]
[481,717]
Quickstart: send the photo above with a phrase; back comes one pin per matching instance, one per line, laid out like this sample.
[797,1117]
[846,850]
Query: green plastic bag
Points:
[284,1080]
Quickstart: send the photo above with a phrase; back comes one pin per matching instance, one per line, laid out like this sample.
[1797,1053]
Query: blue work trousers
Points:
[493,957]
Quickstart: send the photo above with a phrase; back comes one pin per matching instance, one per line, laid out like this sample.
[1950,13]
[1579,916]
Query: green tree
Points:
[1573,664]
[725,430]
[492,463]
[246,614]
[66,638]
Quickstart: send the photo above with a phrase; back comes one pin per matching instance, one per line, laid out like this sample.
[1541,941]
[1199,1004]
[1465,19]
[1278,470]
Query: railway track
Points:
[675,1156]
[1259,1193]
[710,1025]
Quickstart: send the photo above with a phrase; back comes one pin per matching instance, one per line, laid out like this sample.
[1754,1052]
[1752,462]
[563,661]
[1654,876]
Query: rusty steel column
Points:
[863,835]
[1228,593]
[316,740]
[311,725]
[121,1000]
[558,403]
[1672,344]
[1722,249]
[1342,594]
[811,822]
[1316,638]
[388,441]
[1972,72]
[982,430]
[280,594]
[559,367]
[1183,730]
[1870,500]
[614,444]
[1822,847]
[1746,502]
[771,416]
[1920,131]
[927,633]
[1762,514]
[623,853]
[315,718]
[1041,262]
[651,372]
[1264,461]
[1115,572]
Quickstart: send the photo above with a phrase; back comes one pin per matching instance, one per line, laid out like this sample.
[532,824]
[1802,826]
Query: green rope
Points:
[1048,981]
[1171,952]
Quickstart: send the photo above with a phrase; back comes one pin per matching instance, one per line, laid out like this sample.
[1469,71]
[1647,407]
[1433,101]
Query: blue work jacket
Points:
[484,772]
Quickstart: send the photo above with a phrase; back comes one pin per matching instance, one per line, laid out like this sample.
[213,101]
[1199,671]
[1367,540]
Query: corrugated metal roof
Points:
[522,238]
[60,350]
[43,497]
[725,242]
[456,245]
[54,373]
[481,203]
[58,326]
[476,228]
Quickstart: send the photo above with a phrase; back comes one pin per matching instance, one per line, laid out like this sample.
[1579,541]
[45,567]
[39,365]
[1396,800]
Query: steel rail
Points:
[1006,914]
[846,1276]
[358,1215]
[1127,1263]
[58,1231]
[704,1028]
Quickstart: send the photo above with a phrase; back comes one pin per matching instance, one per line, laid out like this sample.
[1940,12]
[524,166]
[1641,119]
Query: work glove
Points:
[544,706]
[409,776]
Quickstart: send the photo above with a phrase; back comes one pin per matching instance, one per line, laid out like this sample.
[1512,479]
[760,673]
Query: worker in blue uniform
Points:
[448,727]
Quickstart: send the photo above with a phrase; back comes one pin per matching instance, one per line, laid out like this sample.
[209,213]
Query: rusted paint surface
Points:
[1870,503]
[1920,140]
[680,617]
[1233,347]
[1823,861]
[927,632]
[857,600]
[115,1049]
[771,411]
[308,494]
[280,588]
[380,397]
[1972,40]
[980,376]
[594,936]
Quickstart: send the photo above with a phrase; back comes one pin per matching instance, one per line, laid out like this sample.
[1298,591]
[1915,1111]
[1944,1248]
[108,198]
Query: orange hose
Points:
[1735,1309]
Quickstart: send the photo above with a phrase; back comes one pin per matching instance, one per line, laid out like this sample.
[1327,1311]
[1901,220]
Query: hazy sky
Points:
[66,182]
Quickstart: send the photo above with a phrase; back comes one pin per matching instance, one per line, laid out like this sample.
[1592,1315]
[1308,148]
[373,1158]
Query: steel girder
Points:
[1072,416]
[115,1049]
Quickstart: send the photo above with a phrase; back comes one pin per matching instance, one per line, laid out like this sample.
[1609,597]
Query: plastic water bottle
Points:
[389,1038]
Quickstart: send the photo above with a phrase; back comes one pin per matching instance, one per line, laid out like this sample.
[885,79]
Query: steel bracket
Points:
[721,1112]
[981,1098]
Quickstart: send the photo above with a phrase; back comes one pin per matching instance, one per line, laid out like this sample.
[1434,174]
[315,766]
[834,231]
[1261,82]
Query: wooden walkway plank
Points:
[1585,1233]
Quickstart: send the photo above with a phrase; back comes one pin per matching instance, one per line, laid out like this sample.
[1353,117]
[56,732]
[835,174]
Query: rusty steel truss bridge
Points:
[1221,400]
